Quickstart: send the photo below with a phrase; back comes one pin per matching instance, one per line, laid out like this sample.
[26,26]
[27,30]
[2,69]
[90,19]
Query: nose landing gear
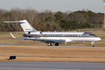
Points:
[92,44]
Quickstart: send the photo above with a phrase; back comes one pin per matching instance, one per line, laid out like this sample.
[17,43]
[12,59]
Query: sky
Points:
[54,5]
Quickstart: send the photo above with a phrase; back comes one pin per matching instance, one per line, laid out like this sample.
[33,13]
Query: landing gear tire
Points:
[49,44]
[56,44]
[92,44]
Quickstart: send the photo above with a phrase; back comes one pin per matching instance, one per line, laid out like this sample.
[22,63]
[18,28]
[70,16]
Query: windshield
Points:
[92,35]
[89,34]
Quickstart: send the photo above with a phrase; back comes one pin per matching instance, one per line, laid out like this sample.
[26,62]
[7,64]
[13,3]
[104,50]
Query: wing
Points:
[42,40]
[47,40]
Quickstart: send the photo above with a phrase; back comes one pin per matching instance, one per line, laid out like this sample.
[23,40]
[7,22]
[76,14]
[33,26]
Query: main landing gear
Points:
[56,44]
[50,44]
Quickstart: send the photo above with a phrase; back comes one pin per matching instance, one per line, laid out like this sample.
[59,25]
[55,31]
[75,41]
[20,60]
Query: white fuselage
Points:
[67,36]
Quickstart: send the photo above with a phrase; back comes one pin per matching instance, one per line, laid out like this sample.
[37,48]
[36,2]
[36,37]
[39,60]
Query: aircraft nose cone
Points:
[98,39]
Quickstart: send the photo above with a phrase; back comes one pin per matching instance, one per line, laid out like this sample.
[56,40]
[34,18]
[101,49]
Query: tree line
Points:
[48,20]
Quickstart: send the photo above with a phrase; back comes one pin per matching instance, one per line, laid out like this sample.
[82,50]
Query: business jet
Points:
[53,37]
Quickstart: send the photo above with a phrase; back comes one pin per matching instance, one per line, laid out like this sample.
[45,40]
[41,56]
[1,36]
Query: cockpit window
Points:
[89,34]
[92,35]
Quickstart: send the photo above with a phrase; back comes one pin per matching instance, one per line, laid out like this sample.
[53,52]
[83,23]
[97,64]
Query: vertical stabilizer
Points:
[26,26]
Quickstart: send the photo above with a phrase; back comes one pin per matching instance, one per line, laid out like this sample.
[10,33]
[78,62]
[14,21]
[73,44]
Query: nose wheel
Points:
[92,44]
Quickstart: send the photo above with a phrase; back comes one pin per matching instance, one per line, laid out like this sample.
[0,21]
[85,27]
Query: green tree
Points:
[58,16]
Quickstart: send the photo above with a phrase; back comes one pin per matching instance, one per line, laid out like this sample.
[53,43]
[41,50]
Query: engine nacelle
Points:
[33,34]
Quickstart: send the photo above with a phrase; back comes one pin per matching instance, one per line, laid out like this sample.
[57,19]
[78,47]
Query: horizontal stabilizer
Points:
[14,21]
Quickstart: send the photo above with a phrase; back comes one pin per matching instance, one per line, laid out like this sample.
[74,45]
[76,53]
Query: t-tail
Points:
[25,25]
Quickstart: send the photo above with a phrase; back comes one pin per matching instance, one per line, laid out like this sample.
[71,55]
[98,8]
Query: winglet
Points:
[12,35]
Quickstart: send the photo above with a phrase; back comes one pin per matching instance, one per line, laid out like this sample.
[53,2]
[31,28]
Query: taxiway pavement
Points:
[51,66]
[50,46]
